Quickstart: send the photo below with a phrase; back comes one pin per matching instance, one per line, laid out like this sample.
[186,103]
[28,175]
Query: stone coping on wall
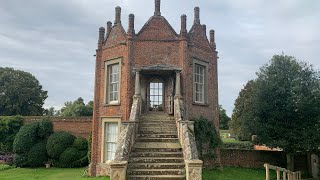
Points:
[56,118]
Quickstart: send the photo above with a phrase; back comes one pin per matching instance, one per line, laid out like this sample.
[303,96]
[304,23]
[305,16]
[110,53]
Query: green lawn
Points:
[235,173]
[46,174]
[228,173]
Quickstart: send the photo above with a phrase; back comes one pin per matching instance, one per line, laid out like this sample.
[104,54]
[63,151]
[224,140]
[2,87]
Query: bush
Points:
[45,128]
[37,155]
[207,139]
[5,167]
[20,160]
[25,138]
[80,144]
[9,127]
[7,158]
[57,143]
[73,157]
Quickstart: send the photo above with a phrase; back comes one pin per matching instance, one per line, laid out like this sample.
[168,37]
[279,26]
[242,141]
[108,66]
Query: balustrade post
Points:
[267,171]
[178,85]
[137,89]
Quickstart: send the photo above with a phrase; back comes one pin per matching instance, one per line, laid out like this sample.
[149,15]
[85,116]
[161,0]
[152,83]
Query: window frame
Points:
[107,65]
[205,65]
[104,138]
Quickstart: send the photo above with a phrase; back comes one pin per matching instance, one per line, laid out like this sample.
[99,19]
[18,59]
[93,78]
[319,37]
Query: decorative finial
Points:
[212,39]
[118,15]
[131,24]
[183,30]
[196,15]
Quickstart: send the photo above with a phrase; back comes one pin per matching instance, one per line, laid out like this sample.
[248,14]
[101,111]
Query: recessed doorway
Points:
[156,95]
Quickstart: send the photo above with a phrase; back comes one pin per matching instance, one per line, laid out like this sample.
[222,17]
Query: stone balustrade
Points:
[188,142]
[286,174]
[127,137]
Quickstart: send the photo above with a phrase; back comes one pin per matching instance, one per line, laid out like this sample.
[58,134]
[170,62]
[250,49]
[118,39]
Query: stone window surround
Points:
[105,120]
[108,62]
[206,66]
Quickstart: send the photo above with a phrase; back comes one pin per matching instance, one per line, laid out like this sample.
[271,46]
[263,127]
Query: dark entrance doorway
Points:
[156,95]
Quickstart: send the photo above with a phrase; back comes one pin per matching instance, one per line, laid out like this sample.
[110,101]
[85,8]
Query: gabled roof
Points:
[198,38]
[117,35]
[157,28]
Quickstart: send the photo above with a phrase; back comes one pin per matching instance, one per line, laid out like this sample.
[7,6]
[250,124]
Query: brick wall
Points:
[256,159]
[78,126]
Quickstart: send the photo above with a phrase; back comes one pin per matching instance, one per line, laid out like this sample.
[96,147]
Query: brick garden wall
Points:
[256,159]
[78,126]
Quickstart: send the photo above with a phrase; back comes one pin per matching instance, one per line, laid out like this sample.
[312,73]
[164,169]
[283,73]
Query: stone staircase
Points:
[157,153]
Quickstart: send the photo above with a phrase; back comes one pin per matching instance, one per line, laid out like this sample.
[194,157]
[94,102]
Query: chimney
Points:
[196,15]
[118,16]
[204,27]
[212,40]
[183,30]
[109,25]
[157,8]
[101,36]
[131,24]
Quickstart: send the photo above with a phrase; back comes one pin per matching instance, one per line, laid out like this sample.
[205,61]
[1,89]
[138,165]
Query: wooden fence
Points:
[286,174]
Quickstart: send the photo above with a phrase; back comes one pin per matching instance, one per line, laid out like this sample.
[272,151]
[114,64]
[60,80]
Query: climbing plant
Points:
[207,138]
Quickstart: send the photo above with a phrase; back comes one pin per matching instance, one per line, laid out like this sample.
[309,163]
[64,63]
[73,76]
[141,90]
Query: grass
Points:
[236,173]
[43,173]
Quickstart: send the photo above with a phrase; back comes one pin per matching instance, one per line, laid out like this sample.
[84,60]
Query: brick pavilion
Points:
[148,84]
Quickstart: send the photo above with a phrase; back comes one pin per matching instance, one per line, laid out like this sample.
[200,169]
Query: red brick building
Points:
[157,65]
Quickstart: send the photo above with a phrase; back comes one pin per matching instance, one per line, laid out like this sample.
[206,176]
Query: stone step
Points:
[158,145]
[156,165]
[157,150]
[156,154]
[148,130]
[156,172]
[153,118]
[152,135]
[157,177]
[156,160]
[173,140]
[156,124]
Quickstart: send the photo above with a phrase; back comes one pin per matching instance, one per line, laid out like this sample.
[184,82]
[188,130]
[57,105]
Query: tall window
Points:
[111,140]
[113,83]
[156,97]
[199,74]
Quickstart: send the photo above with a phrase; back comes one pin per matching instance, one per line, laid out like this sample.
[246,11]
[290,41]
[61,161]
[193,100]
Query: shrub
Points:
[7,158]
[73,157]
[45,128]
[25,138]
[20,160]
[206,136]
[9,127]
[5,167]
[57,143]
[37,155]
[80,144]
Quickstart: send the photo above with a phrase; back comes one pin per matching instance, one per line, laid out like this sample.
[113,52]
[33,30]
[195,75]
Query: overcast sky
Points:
[55,40]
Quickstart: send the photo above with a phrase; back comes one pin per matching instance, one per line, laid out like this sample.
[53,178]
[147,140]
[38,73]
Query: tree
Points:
[51,112]
[224,118]
[77,108]
[243,123]
[287,106]
[20,93]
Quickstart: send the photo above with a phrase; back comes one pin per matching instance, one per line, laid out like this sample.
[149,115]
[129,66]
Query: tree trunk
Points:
[290,162]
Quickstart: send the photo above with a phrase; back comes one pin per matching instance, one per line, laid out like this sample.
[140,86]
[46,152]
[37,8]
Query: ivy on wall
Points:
[207,138]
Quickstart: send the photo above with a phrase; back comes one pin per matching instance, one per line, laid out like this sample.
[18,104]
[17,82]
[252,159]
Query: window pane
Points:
[111,133]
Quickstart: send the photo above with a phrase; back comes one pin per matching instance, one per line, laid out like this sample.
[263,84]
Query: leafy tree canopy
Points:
[287,105]
[20,93]
[243,123]
[224,118]
[77,108]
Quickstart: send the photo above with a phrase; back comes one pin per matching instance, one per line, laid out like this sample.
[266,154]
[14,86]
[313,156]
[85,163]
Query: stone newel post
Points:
[137,89]
[178,85]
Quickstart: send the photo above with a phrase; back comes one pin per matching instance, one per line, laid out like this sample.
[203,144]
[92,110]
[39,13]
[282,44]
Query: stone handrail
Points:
[188,143]
[118,166]
[286,174]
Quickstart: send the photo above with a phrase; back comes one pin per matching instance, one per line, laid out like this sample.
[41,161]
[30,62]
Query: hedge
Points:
[37,155]
[45,128]
[80,144]
[9,127]
[25,138]
[238,145]
[58,142]
[73,157]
